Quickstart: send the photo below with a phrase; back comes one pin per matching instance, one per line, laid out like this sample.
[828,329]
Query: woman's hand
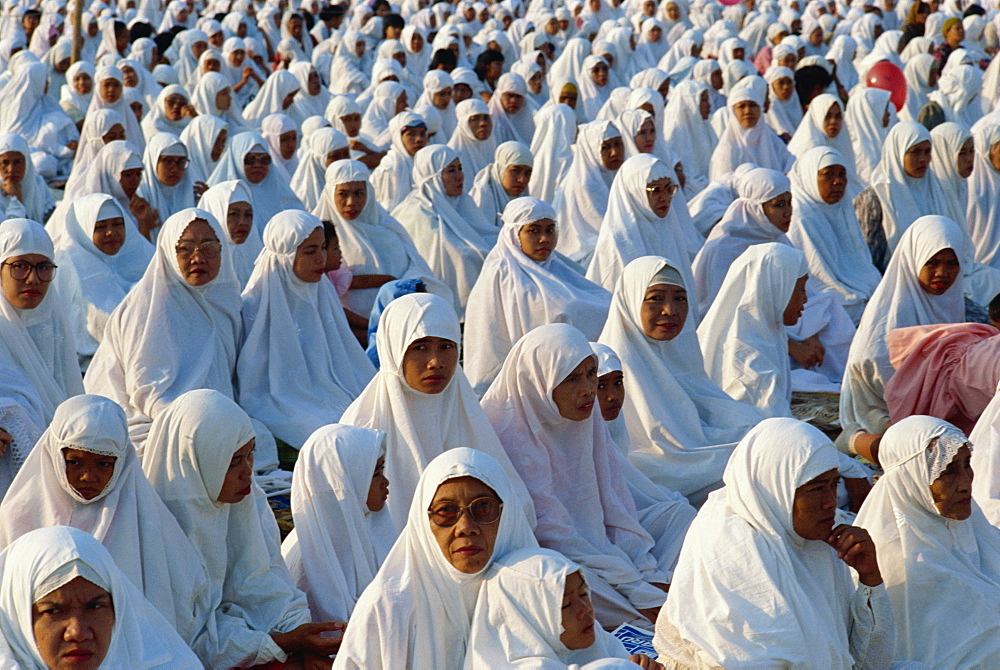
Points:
[309,638]
[5,442]
[147,218]
[199,189]
[645,662]
[809,353]
[856,548]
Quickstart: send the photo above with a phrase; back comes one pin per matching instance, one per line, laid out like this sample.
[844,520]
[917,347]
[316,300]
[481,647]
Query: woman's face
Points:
[198,48]
[659,195]
[538,239]
[22,285]
[833,122]
[429,364]
[783,88]
[704,105]
[173,106]
[575,395]
[239,475]
[350,199]
[917,159]
[88,473]
[170,169]
[453,179]
[493,70]
[778,211]
[289,99]
[535,83]
[12,167]
[111,90]
[789,61]
[611,394]
[211,65]
[673,11]
[219,145]
[994,156]
[613,153]
[933,75]
[378,490]
[796,303]
[569,98]
[337,155]
[416,42]
[288,143]
[199,253]
[955,35]
[514,181]
[645,139]
[239,221]
[467,543]
[664,310]
[599,73]
[129,180]
[939,273]
[414,139]
[401,102]
[577,614]
[256,166]
[83,83]
[73,625]
[237,57]
[814,506]
[460,92]
[224,99]
[966,159]
[442,98]
[352,124]
[831,182]
[109,235]
[747,113]
[310,258]
[952,490]
[512,103]
[715,79]
[131,78]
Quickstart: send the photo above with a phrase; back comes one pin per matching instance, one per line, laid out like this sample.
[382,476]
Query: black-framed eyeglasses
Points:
[485,510]
[252,159]
[669,190]
[175,161]
[208,249]
[20,270]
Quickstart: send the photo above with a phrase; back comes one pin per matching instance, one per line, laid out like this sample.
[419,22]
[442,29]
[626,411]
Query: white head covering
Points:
[272,127]
[393,178]
[742,556]
[305,104]
[475,153]
[488,191]
[918,88]
[216,201]
[681,436]
[433,82]
[419,425]
[36,199]
[133,132]
[515,294]
[552,149]
[592,97]
[863,120]
[984,197]
[49,558]
[271,97]
[272,195]
[382,108]
[738,145]
[898,302]
[517,127]
[156,120]
[519,617]
[811,133]
[946,142]
[418,611]
[783,115]
[338,544]
[167,200]
[300,365]
[932,564]
[199,137]
[204,100]
[189,451]
[747,315]
[167,337]
[687,134]
[309,178]
[29,112]
[127,517]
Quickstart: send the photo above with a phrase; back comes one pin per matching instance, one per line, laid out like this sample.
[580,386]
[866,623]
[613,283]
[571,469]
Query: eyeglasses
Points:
[252,159]
[485,510]
[208,249]
[669,190]
[174,161]
[20,270]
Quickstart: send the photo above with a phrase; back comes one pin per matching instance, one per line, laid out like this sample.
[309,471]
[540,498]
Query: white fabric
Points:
[743,337]
[156,120]
[506,127]
[986,462]
[475,153]
[305,104]
[127,517]
[420,426]
[687,134]
[168,337]
[518,619]
[787,601]
[133,132]
[199,137]
[338,544]
[417,613]
[451,233]
[918,88]
[898,302]
[272,127]
[812,133]
[583,504]
[300,365]
[984,200]
[271,97]
[216,201]
[36,201]
[309,178]
[204,100]
[49,558]
[515,294]
[552,149]
[933,565]
[393,178]
[250,590]
[783,115]
[863,120]
[682,435]
[487,190]
[167,200]
[738,145]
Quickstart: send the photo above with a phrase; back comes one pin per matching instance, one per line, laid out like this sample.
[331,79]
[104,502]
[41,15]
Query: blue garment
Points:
[386,294]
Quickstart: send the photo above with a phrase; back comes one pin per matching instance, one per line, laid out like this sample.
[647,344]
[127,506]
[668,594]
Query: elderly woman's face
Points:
[73,625]
[952,490]
[664,311]
[25,279]
[310,258]
[468,542]
[831,181]
[238,481]
[199,253]
[575,396]
[814,506]
[429,364]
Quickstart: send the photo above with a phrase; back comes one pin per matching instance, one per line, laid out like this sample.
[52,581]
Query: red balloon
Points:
[730,2]
[888,77]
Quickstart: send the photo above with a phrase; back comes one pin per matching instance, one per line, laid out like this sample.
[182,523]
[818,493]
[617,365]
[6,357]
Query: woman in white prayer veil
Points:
[764,291]
[541,406]
[682,436]
[595,87]
[35,116]
[30,197]
[517,292]
[747,137]
[393,178]
[823,125]
[71,99]
[447,227]
[922,285]
[312,98]
[512,116]
[200,462]
[784,114]
[296,336]
[551,149]
[938,552]
[214,96]
[347,71]
[958,94]
[921,74]
[108,94]
[388,99]
[341,536]
[421,398]
[529,613]
[984,198]
[276,95]
[503,180]
[582,197]
[232,203]
[688,133]
[48,560]
[36,340]
[167,184]
[123,513]
[868,119]
[205,138]
[417,613]
[158,119]
[473,139]
[764,550]
[283,139]
[247,159]
[321,149]
[435,84]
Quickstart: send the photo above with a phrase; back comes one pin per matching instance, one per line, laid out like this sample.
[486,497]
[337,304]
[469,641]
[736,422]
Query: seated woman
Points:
[448,229]
[688,133]
[983,202]
[524,284]
[823,126]
[939,551]
[300,365]
[84,473]
[512,116]
[342,530]
[766,552]
[747,137]
[199,459]
[23,192]
[541,406]
[537,609]
[58,573]
[319,150]
[682,434]
[421,398]
[417,613]
[922,286]
[167,184]
[473,138]
[503,180]
[231,201]
[393,178]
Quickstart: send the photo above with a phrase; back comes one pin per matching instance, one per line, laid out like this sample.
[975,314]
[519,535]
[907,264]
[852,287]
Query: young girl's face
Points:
[577,614]
[378,492]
